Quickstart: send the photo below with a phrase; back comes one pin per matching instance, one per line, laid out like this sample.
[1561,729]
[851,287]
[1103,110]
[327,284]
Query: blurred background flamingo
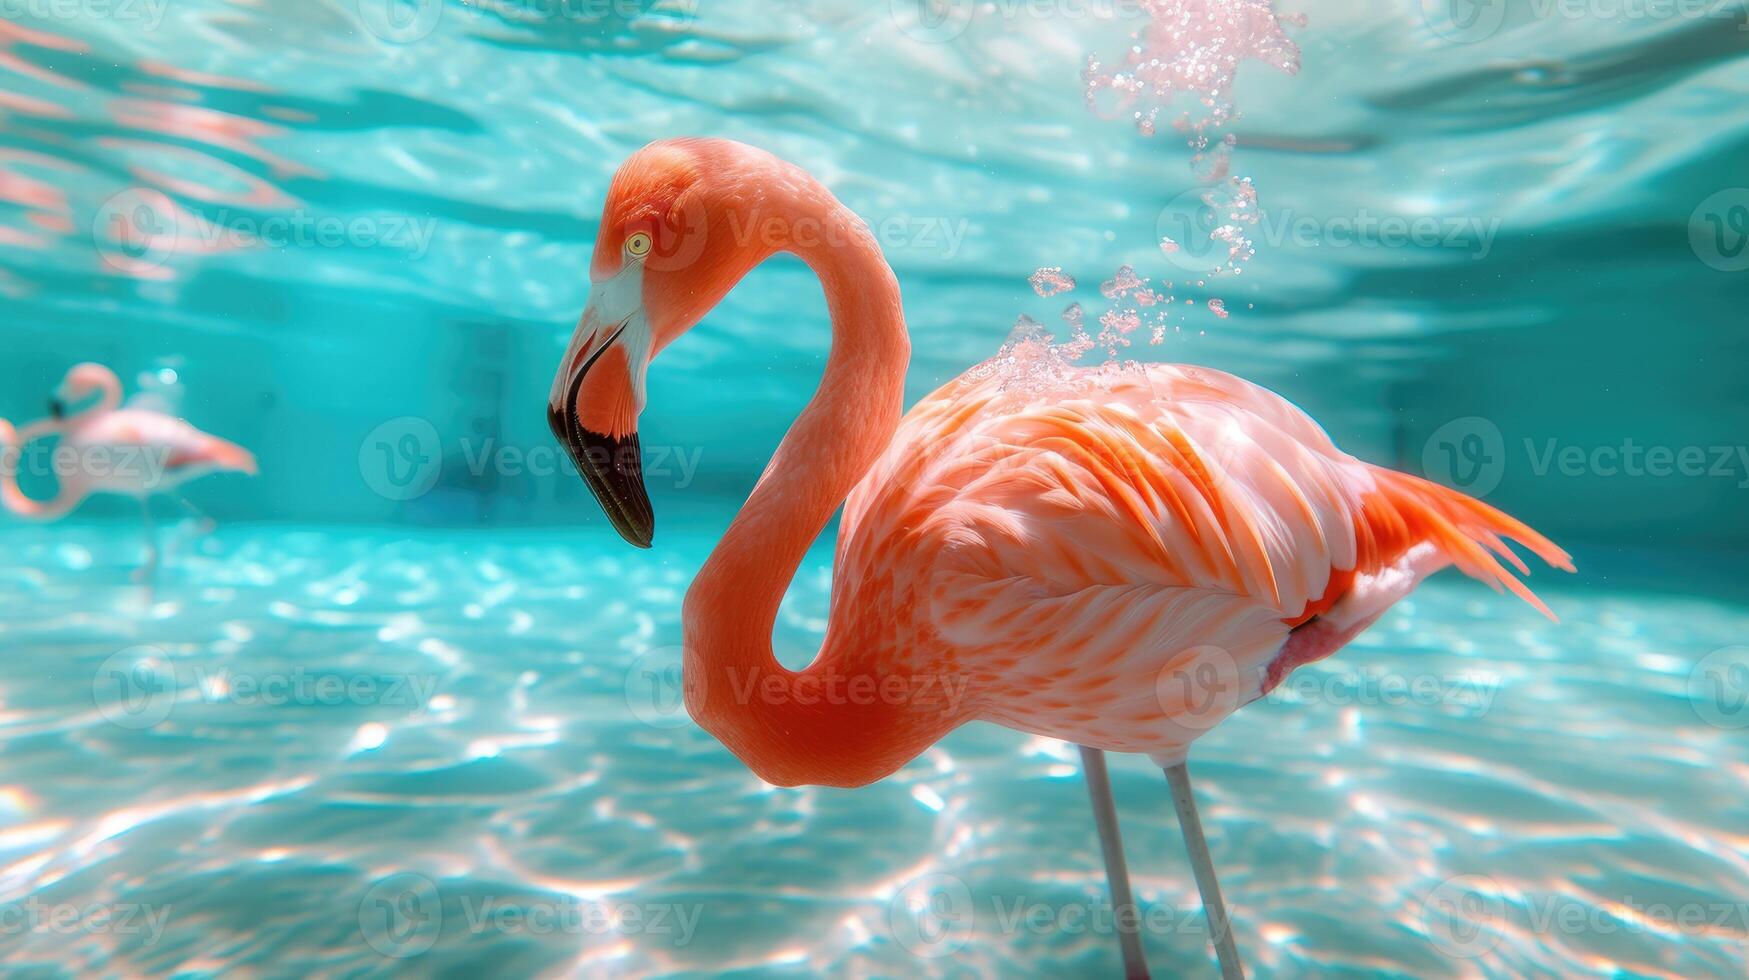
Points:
[1116,560]
[105,447]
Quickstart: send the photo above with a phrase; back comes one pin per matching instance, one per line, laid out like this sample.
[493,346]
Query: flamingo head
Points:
[81,382]
[671,244]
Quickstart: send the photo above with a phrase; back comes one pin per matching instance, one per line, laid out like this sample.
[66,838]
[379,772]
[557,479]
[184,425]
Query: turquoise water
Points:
[1506,810]
[410,708]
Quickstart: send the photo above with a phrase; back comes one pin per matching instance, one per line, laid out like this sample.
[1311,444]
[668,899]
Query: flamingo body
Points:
[1118,558]
[170,451]
[109,449]
[1121,561]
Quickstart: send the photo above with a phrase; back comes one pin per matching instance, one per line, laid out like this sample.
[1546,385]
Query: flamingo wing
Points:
[167,447]
[1089,551]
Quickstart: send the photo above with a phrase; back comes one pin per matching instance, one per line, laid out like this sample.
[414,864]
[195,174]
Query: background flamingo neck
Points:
[11,455]
[109,399]
[784,724]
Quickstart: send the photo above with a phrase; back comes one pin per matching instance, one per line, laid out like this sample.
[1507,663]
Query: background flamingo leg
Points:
[1117,872]
[149,570]
[203,523]
[1220,931]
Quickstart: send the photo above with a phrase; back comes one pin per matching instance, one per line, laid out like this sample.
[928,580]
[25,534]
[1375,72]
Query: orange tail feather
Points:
[230,456]
[1408,510]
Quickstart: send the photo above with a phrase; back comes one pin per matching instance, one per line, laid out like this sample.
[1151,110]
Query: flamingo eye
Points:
[638,245]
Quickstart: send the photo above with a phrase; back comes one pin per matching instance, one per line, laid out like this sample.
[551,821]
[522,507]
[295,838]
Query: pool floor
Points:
[356,751]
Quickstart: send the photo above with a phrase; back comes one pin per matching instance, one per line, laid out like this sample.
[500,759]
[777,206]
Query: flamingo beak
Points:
[611,464]
[57,409]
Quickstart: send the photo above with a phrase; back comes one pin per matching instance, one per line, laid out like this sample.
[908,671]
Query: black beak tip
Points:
[57,409]
[613,468]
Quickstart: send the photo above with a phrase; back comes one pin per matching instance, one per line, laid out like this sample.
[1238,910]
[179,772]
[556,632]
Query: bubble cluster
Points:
[1033,364]
[1050,281]
[1192,48]
[1032,361]
[1185,59]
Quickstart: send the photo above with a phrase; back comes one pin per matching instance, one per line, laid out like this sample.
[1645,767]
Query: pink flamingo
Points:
[1118,564]
[106,448]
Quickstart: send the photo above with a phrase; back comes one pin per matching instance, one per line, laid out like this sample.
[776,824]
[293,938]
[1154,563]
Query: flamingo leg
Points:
[1220,930]
[203,523]
[150,570]
[1117,872]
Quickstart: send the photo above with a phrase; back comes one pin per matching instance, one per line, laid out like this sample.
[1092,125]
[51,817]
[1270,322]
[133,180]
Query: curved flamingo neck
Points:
[109,388]
[11,451]
[807,727]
